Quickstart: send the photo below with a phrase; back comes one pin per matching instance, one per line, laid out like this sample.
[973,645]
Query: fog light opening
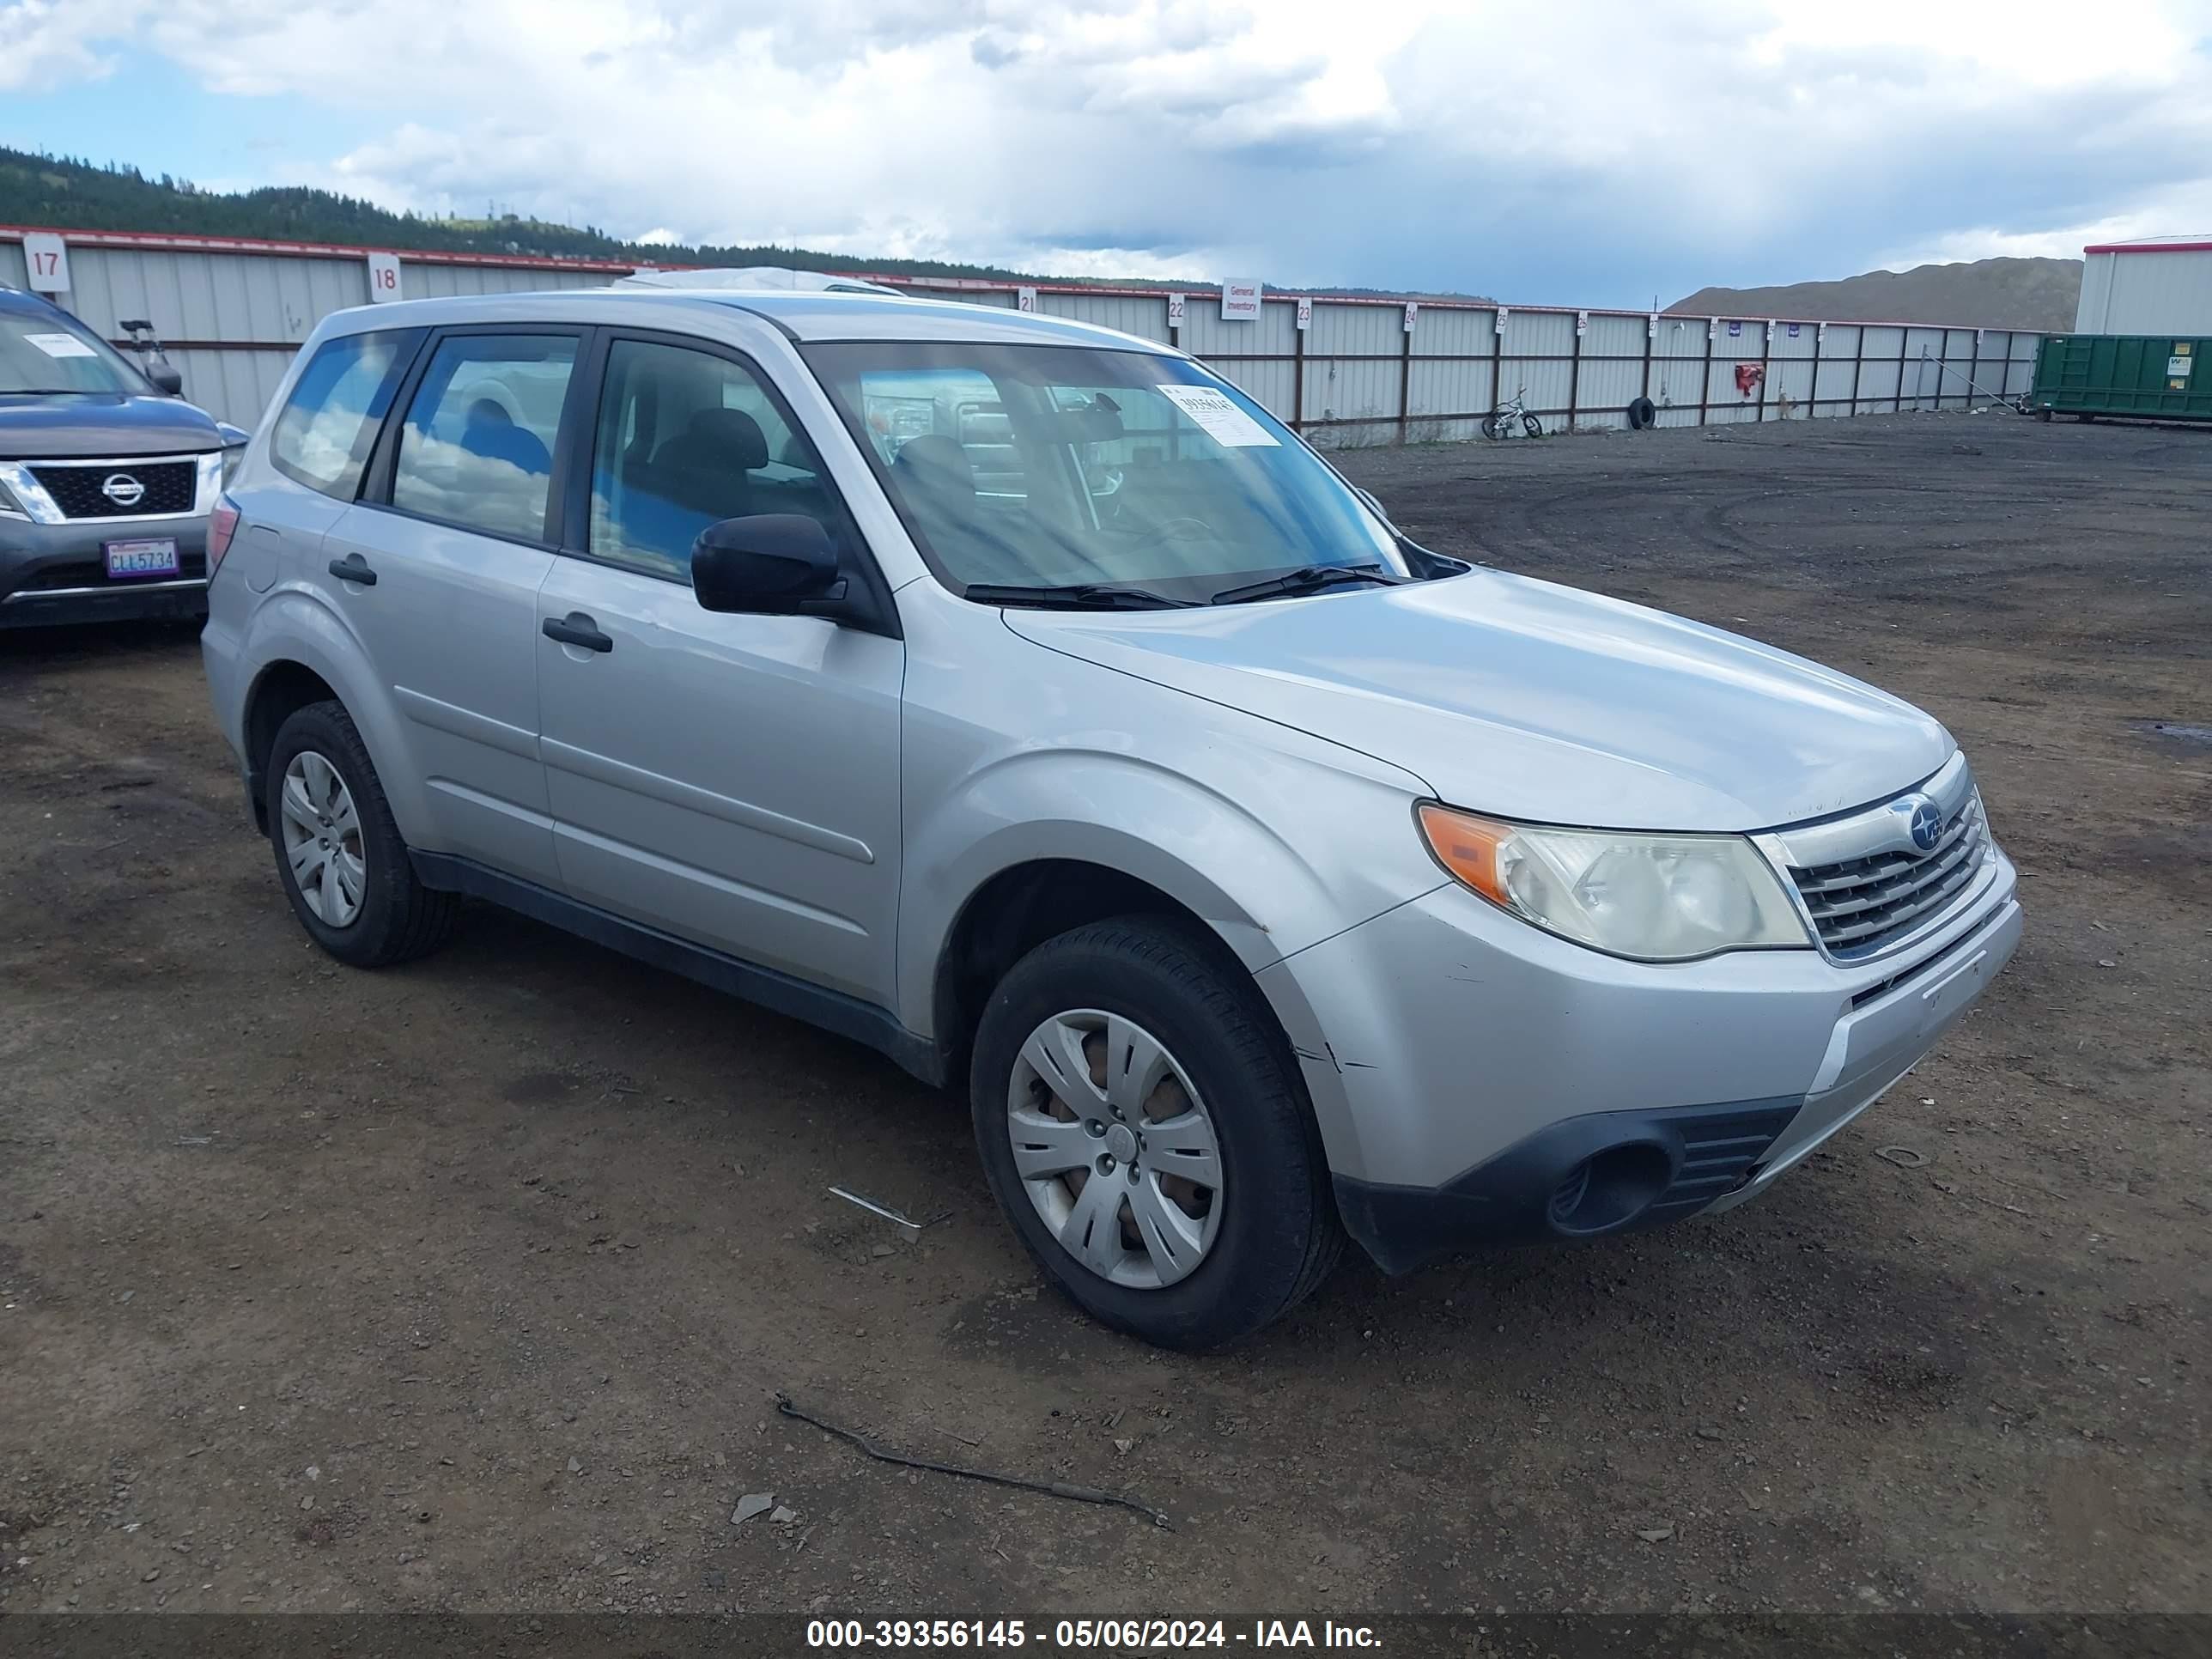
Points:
[1610,1189]
[1572,1191]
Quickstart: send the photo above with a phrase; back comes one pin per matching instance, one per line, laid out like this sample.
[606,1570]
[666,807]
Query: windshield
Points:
[1063,466]
[53,353]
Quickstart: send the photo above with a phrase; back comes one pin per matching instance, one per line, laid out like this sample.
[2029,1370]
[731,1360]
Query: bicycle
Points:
[1500,422]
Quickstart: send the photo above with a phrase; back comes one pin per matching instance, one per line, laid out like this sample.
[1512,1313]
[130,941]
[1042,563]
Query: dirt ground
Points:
[469,1285]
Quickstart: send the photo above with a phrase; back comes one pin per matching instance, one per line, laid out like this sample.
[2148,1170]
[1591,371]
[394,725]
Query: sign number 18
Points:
[384,277]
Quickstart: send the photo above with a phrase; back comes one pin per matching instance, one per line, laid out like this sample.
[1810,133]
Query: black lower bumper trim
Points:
[35,608]
[1582,1178]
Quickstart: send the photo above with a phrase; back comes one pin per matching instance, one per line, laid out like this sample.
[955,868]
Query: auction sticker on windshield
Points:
[60,345]
[1220,419]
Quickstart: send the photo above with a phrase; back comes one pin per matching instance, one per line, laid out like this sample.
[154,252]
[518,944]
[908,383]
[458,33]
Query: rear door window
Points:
[477,449]
[329,423]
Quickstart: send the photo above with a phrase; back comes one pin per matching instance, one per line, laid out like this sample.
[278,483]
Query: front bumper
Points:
[1479,1081]
[58,572]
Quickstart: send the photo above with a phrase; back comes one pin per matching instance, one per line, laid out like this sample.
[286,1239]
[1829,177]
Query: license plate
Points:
[148,558]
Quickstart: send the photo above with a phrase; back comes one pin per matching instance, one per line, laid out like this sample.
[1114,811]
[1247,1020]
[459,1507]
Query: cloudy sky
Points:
[1560,151]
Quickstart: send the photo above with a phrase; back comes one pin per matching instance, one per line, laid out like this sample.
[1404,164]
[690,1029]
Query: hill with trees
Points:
[69,194]
[75,195]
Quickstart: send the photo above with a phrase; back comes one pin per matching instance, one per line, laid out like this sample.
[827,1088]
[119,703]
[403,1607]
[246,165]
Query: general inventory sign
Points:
[1240,300]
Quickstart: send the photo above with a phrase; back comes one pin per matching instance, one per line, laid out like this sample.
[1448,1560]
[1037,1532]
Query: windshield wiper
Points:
[1079,596]
[1307,578]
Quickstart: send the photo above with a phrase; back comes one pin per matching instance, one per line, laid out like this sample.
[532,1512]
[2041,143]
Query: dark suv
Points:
[107,476]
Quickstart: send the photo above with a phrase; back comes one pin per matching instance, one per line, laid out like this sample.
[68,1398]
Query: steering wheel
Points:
[1185,530]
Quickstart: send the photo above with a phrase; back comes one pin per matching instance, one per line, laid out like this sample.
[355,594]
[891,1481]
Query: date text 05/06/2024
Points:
[1086,1633]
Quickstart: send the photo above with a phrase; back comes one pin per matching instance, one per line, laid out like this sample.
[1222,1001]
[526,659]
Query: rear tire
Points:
[1492,427]
[333,827]
[1264,1237]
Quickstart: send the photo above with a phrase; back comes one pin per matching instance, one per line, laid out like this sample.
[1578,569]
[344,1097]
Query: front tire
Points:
[1144,1129]
[1532,426]
[339,854]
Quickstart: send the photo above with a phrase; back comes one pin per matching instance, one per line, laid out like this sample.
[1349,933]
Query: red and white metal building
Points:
[2162,285]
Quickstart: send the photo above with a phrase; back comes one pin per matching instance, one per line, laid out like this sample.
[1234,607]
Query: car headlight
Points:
[234,440]
[1655,898]
[22,496]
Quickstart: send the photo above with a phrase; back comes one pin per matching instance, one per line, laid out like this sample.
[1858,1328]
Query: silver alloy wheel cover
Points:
[1120,1152]
[322,839]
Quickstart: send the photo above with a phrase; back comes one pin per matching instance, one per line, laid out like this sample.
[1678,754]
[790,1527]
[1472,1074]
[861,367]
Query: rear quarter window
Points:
[476,446]
[330,422]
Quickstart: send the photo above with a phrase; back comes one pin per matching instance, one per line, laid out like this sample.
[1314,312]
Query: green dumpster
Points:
[2148,376]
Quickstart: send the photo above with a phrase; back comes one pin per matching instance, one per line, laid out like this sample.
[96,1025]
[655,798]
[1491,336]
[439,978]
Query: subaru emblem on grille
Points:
[123,489]
[1926,824]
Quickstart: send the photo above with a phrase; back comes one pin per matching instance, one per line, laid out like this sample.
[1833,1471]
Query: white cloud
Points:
[1575,150]
[2187,212]
[48,42]
[2018,47]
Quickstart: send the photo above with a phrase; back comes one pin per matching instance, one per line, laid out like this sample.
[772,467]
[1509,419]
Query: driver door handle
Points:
[577,629]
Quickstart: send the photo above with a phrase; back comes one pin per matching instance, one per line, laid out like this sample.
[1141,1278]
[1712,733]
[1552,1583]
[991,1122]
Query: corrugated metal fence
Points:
[1345,370]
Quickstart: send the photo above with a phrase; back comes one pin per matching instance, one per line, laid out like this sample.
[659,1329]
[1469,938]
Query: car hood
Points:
[1532,701]
[97,425]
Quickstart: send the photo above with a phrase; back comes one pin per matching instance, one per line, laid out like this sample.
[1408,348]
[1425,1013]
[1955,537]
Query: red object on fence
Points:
[1748,377]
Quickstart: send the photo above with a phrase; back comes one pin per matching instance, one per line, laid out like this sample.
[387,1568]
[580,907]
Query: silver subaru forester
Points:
[1021,699]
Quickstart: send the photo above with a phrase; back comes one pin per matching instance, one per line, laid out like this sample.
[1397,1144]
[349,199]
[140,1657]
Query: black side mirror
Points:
[771,563]
[166,379]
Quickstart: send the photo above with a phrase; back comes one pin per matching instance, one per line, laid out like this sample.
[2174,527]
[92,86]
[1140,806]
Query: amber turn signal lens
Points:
[1468,847]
